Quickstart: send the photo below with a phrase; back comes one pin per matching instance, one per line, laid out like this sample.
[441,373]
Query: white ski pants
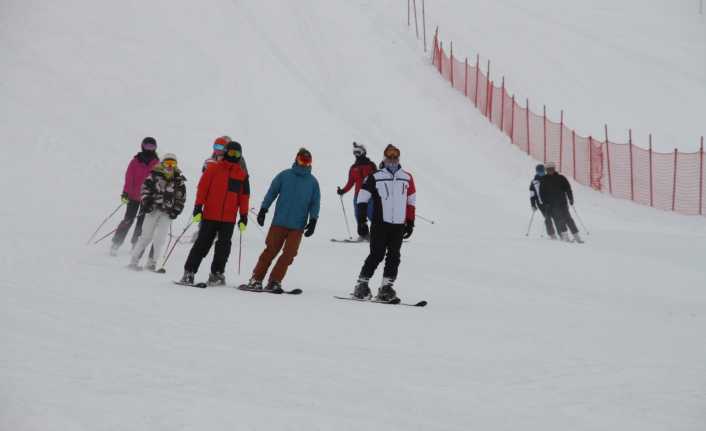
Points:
[154,230]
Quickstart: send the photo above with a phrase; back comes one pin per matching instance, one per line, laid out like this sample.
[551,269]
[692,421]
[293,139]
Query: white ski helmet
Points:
[359,149]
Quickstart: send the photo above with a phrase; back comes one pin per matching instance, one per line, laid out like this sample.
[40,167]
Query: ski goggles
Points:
[304,160]
[149,146]
[169,163]
[219,147]
[233,153]
[392,153]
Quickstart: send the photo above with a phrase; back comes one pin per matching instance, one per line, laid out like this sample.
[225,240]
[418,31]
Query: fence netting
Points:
[669,181]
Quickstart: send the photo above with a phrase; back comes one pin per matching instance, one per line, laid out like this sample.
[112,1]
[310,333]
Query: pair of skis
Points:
[280,291]
[244,287]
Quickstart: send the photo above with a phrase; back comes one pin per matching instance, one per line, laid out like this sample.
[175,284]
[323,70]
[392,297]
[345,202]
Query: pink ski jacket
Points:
[136,173]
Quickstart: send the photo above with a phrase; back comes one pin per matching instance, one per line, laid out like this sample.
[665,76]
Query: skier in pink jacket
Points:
[137,171]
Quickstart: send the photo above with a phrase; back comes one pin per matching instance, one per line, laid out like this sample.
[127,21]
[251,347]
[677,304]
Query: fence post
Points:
[528,127]
[502,106]
[607,152]
[651,169]
[441,58]
[674,183]
[632,176]
[512,121]
[561,139]
[487,89]
[477,73]
[408,8]
[451,62]
[544,120]
[434,54]
[573,151]
[424,27]
[491,90]
[590,164]
[701,177]
[465,80]
[416,23]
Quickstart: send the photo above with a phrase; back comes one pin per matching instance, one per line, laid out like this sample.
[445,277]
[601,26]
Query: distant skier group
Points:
[549,192]
[154,193]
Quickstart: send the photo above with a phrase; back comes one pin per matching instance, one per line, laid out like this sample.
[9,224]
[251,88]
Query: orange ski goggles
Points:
[392,152]
[169,163]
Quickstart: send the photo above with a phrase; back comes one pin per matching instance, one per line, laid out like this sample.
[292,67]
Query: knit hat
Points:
[149,144]
[234,151]
[304,157]
[169,156]
[550,165]
[359,149]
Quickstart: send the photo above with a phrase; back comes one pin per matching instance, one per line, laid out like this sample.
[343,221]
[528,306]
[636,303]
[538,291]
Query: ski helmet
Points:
[359,149]
[233,152]
[391,152]
[149,144]
[539,170]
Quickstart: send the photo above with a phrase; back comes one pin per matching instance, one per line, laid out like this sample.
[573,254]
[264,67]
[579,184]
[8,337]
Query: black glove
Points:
[363,230]
[339,190]
[198,209]
[309,228]
[571,202]
[173,215]
[408,229]
[124,198]
[261,217]
[243,219]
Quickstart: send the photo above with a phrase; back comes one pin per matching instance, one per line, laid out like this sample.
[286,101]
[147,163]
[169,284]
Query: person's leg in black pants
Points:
[378,246]
[124,226]
[221,250]
[200,249]
[394,244]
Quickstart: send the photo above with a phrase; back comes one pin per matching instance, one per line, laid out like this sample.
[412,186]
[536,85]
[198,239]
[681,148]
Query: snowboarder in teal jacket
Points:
[298,199]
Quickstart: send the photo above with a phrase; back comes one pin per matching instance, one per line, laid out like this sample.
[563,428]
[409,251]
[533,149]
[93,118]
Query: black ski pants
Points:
[208,232]
[562,218]
[548,223]
[132,209]
[385,243]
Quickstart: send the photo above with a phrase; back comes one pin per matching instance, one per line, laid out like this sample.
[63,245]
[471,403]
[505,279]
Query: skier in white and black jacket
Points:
[392,193]
[536,200]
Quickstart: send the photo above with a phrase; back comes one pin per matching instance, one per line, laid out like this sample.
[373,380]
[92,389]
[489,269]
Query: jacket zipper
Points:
[223,208]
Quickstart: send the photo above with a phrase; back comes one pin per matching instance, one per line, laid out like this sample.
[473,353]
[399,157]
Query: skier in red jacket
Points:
[360,169]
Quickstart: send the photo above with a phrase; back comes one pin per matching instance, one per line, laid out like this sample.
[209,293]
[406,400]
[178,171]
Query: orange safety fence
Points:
[669,181]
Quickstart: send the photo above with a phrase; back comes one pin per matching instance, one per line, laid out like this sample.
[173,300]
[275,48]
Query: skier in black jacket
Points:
[537,203]
[554,190]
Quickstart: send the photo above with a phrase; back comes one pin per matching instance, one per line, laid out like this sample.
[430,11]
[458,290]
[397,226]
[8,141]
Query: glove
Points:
[146,209]
[408,229]
[243,223]
[173,215]
[198,214]
[123,198]
[339,191]
[363,230]
[261,216]
[309,228]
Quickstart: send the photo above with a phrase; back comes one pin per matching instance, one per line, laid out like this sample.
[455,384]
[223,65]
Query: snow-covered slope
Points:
[637,64]
[519,332]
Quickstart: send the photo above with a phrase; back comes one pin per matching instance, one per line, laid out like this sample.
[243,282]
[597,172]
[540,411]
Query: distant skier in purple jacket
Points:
[137,171]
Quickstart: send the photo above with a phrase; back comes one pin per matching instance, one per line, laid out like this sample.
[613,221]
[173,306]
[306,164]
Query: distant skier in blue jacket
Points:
[298,199]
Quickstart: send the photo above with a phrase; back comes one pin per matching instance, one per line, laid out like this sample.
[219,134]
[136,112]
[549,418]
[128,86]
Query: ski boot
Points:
[254,284]
[552,237]
[361,290]
[386,293]
[216,279]
[134,266]
[151,265]
[273,286]
[188,278]
[577,238]
[564,237]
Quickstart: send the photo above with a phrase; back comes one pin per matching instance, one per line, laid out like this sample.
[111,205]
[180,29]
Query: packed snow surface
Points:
[520,333]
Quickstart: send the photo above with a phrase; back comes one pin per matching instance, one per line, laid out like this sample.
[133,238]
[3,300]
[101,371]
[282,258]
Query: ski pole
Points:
[529,227]
[580,221]
[240,249]
[345,217]
[104,222]
[175,244]
[170,236]
[425,219]
[105,236]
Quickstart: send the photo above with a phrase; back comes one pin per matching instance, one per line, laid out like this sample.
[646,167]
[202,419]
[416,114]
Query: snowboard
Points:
[396,301]
[199,285]
[244,287]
